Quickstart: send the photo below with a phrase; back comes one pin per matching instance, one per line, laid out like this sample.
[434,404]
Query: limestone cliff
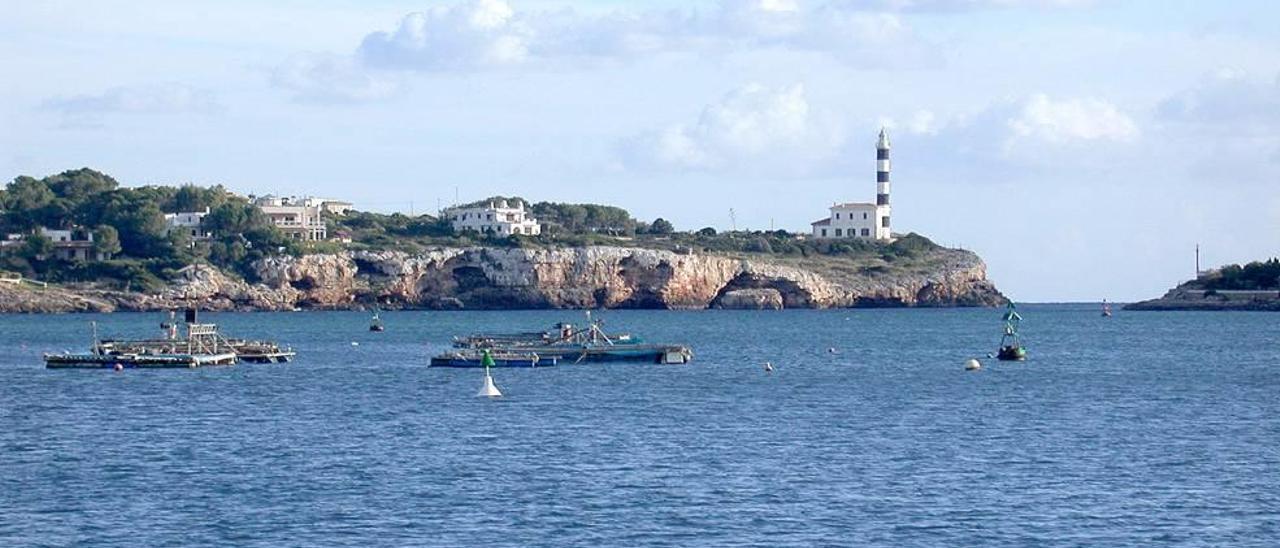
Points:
[585,277]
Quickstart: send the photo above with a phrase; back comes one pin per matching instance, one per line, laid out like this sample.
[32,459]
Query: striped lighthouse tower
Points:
[883,231]
[882,169]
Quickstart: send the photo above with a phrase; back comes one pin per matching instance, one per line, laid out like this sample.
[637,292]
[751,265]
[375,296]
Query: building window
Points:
[839,232]
[884,221]
[824,233]
[864,215]
[866,232]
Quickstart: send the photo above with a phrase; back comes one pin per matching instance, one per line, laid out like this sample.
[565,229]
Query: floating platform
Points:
[476,360]
[136,361]
[652,353]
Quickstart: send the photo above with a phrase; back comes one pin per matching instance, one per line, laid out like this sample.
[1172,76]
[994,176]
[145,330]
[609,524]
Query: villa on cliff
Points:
[295,218]
[189,223]
[501,218]
[73,245]
[862,219]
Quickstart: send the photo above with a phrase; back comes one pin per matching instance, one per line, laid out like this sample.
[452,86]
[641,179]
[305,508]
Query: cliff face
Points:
[588,277]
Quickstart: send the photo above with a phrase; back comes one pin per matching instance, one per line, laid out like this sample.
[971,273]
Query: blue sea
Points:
[1148,428]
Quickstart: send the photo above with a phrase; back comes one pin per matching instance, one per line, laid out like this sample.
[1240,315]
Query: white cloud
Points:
[331,78]
[488,34]
[476,34]
[1071,120]
[1229,100]
[751,129]
[149,99]
[960,5]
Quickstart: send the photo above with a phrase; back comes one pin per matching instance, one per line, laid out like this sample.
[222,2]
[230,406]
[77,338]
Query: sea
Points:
[1143,429]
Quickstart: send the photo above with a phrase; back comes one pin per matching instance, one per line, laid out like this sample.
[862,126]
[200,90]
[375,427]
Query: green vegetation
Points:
[1257,275]
[129,228]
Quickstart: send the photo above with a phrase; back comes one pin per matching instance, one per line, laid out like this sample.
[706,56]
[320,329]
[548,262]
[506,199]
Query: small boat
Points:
[1011,349]
[375,323]
[1106,309]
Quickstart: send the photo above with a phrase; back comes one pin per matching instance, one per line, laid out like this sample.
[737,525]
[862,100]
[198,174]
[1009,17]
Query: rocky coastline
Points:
[514,278]
[1190,296]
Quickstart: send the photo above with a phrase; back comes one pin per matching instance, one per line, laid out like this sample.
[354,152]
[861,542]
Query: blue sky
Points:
[1082,147]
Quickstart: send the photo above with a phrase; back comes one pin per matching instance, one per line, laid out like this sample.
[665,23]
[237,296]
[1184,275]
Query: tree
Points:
[707,231]
[106,241]
[661,226]
[25,198]
[37,247]
[759,245]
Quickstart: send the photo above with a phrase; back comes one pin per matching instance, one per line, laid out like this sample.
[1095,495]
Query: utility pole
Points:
[733,219]
[1197,261]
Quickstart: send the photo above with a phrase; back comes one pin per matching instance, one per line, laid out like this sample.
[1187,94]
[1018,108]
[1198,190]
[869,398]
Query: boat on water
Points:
[1106,309]
[573,344]
[1011,349]
[375,323]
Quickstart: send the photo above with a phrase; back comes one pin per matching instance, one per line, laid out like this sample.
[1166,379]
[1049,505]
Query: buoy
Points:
[768,367]
[119,367]
[354,343]
[972,365]
[831,350]
[488,389]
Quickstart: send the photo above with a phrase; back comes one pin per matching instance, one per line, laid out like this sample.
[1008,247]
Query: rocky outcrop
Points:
[586,277]
[750,299]
[1191,296]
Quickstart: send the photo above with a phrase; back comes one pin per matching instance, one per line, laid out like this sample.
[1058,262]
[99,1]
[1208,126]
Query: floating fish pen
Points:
[561,333]
[203,345]
[471,358]
[567,343]
[136,361]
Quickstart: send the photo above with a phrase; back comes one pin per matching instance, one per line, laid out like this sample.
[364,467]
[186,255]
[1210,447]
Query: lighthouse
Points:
[862,219]
[882,185]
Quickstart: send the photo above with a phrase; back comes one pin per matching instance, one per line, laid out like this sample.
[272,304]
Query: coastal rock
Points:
[578,277]
[1192,296]
[750,299]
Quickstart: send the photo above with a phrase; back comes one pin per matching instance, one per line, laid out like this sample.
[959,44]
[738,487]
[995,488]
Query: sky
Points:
[1082,147]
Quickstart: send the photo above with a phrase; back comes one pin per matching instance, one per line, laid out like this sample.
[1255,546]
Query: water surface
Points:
[1141,429]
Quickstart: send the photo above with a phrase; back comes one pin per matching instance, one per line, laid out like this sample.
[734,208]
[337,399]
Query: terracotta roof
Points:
[823,222]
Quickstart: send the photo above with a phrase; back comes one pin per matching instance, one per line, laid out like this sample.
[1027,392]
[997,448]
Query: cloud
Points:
[959,5]
[1225,128]
[152,99]
[751,129]
[330,78]
[1071,120]
[1229,100]
[490,34]
[476,34]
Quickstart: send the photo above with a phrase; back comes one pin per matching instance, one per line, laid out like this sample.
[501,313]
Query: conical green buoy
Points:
[488,389]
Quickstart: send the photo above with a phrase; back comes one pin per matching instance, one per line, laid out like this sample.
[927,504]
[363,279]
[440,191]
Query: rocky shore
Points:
[1189,296]
[504,278]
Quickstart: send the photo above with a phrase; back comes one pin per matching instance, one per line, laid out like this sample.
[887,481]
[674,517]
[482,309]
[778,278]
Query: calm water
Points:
[1147,428]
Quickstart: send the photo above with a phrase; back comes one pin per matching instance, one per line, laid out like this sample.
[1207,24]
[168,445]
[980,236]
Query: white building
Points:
[189,222]
[74,245]
[297,220]
[862,219]
[336,207]
[498,218]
